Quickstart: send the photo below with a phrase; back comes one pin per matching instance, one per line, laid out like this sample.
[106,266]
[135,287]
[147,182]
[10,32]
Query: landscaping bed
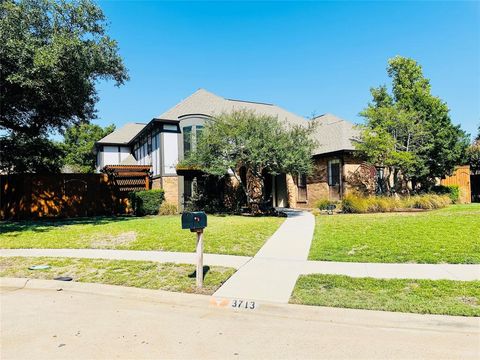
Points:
[141,274]
[449,235]
[403,295]
[234,235]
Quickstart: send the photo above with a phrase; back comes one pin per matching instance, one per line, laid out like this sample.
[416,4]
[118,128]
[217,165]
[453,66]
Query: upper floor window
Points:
[198,133]
[187,140]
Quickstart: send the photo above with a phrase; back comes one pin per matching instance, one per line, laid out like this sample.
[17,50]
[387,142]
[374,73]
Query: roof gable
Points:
[207,103]
[334,134]
[123,135]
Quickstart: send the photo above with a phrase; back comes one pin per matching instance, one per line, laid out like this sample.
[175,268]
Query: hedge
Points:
[453,191]
[353,203]
[146,202]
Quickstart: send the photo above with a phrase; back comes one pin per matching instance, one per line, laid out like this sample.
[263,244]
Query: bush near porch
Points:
[449,235]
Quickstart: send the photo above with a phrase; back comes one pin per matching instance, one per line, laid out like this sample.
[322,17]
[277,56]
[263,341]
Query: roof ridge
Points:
[251,102]
[188,97]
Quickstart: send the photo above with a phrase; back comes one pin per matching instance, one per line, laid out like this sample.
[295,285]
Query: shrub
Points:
[323,204]
[354,203]
[146,202]
[428,201]
[167,209]
[316,212]
[453,191]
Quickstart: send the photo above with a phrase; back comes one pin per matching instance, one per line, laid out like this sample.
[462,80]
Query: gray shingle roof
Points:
[207,103]
[122,135]
[334,134]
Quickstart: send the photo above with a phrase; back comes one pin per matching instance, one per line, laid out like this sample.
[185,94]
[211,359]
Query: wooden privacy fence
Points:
[461,177]
[33,196]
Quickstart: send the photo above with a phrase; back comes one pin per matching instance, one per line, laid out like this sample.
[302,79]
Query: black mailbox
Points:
[330,208]
[195,220]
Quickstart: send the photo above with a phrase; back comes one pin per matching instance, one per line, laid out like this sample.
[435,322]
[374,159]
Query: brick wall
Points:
[170,186]
[355,176]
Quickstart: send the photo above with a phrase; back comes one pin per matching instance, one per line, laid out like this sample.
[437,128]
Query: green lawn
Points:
[405,295]
[235,235]
[141,274]
[449,235]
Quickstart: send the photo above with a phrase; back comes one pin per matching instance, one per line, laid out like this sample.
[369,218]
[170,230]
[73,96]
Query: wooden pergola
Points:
[129,177]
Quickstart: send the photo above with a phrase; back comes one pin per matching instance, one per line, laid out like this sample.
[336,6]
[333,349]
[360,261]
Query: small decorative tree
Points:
[260,144]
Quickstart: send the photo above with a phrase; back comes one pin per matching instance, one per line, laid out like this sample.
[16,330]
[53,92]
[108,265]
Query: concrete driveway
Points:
[55,320]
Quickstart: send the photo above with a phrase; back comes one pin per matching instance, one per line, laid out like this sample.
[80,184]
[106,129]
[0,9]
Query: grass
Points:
[449,235]
[234,235]
[141,274]
[404,295]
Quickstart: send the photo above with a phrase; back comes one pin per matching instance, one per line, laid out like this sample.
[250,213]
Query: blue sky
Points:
[308,57]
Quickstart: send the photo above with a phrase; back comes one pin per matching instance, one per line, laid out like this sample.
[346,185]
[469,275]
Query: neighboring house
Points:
[167,138]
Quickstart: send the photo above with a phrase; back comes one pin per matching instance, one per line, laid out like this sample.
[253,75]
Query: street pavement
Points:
[44,319]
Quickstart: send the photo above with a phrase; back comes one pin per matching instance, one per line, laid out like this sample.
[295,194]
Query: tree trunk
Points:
[255,186]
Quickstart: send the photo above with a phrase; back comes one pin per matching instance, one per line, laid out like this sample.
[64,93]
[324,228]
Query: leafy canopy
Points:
[258,142]
[23,153]
[261,144]
[52,54]
[78,144]
[473,154]
[410,130]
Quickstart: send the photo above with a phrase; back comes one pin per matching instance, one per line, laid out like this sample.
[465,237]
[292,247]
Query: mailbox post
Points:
[196,221]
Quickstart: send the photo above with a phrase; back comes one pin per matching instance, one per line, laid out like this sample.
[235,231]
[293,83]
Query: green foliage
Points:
[53,53]
[323,204]
[79,141]
[453,191]
[215,195]
[146,202]
[261,144]
[473,154]
[167,209]
[24,154]
[353,203]
[410,130]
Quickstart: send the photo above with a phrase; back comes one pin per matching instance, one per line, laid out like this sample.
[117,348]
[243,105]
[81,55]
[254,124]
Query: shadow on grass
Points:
[45,225]
[206,269]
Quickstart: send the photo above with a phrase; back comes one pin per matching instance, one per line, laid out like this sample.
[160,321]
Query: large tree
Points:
[260,144]
[410,130]
[473,154]
[78,144]
[52,54]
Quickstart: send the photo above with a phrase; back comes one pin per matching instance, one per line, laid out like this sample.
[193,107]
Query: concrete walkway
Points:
[463,272]
[158,256]
[94,321]
[272,273]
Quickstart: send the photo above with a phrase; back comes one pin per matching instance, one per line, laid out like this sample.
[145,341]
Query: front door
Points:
[280,191]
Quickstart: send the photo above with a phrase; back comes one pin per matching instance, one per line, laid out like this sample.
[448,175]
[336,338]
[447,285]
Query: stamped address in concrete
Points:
[240,304]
